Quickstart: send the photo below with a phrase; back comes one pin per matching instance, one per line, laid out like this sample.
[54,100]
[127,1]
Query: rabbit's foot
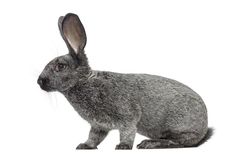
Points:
[157,144]
[123,146]
[147,144]
[85,146]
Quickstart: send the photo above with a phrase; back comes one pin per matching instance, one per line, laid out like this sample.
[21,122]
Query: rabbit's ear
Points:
[62,34]
[73,33]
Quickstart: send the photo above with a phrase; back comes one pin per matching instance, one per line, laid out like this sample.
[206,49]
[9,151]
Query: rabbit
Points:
[167,112]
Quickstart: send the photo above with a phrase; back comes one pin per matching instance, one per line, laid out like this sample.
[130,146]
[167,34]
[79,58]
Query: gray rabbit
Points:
[169,113]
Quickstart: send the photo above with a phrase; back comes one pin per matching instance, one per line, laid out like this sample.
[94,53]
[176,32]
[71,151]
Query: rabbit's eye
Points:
[59,67]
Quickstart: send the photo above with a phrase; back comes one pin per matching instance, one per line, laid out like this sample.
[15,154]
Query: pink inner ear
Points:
[72,32]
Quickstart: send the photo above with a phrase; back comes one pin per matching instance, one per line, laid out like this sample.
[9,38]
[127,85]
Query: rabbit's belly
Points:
[106,118]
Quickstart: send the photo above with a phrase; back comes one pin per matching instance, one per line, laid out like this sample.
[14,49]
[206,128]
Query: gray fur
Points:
[164,110]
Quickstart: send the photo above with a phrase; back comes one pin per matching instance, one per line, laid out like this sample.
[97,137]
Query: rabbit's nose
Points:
[42,81]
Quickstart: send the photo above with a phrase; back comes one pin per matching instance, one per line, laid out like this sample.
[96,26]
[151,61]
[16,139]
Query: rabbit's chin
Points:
[47,89]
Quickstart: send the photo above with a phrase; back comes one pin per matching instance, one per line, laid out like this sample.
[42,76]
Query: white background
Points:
[190,41]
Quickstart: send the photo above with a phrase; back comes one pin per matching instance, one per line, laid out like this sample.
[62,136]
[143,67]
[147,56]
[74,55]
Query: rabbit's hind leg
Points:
[176,141]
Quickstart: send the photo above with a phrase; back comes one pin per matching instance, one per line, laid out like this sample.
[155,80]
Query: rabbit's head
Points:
[65,71]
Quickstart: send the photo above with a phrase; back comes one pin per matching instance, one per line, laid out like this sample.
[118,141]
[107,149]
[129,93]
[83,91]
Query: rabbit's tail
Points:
[210,132]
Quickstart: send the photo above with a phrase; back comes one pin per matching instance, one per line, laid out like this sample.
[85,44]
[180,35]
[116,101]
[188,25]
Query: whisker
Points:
[53,100]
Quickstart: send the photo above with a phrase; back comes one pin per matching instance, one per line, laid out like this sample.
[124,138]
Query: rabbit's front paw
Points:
[123,146]
[84,146]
